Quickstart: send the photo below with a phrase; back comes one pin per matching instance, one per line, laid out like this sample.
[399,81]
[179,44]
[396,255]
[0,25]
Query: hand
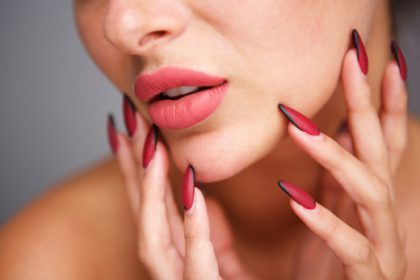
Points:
[168,247]
[371,244]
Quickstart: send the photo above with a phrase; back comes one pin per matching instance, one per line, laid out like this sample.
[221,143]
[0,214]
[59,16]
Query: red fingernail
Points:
[299,120]
[112,134]
[188,187]
[150,145]
[129,110]
[361,52]
[399,57]
[297,194]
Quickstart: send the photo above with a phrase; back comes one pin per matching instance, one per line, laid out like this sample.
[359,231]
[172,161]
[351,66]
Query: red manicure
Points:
[188,187]
[150,145]
[129,110]
[361,51]
[299,120]
[297,194]
[399,57]
[112,134]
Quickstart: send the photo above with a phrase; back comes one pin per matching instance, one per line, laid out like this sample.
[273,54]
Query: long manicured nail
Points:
[150,145]
[112,133]
[399,57]
[129,110]
[297,194]
[188,187]
[361,52]
[299,120]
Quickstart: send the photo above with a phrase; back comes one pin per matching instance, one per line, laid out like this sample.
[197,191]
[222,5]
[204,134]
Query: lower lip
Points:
[188,110]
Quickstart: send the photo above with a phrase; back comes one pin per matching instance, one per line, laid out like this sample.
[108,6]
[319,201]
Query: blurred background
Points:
[54,101]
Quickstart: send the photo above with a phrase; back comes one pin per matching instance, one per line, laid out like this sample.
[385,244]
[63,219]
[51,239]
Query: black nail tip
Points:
[356,39]
[193,173]
[282,187]
[394,50]
[130,103]
[111,119]
[287,115]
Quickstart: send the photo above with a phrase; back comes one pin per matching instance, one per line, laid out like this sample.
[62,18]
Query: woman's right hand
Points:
[168,247]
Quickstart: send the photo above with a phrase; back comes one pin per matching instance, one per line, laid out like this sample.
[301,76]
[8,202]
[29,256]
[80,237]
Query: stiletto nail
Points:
[188,187]
[297,194]
[399,57]
[150,145]
[112,134]
[299,120]
[361,52]
[129,110]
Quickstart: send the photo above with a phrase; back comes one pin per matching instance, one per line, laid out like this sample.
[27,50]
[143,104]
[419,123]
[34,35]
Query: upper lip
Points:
[150,85]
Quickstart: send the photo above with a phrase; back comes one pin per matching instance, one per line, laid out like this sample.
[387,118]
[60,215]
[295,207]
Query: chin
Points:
[223,153]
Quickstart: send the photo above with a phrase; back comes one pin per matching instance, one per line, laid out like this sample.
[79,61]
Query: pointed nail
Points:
[150,145]
[112,134]
[299,120]
[361,52]
[188,187]
[129,110]
[297,194]
[399,57]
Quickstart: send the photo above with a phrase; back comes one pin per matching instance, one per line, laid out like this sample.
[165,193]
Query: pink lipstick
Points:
[180,98]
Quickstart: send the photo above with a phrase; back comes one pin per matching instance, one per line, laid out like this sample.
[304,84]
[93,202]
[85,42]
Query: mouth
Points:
[179,92]
[179,98]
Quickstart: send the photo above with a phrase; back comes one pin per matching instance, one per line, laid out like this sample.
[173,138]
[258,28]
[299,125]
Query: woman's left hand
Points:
[364,168]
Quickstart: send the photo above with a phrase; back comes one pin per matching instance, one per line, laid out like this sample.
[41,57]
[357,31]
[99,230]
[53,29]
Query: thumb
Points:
[221,236]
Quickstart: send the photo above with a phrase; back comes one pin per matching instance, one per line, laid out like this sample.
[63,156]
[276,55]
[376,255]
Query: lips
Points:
[184,111]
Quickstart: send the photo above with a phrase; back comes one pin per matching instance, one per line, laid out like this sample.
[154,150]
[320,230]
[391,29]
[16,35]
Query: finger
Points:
[175,221]
[393,113]
[351,247]
[129,171]
[200,259]
[372,194]
[330,187]
[221,237]
[363,121]
[156,248]
[136,126]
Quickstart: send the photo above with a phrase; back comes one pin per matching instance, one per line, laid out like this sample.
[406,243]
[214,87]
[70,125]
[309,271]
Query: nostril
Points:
[152,36]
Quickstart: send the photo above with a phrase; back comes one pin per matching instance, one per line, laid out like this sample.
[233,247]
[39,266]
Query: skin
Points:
[286,43]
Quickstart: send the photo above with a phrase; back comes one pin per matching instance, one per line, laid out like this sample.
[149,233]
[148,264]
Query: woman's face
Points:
[269,51]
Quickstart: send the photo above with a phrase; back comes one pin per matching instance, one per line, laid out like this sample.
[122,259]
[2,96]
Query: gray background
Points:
[54,101]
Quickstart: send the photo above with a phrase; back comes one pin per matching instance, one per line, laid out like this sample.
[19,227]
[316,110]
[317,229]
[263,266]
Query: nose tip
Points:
[137,29]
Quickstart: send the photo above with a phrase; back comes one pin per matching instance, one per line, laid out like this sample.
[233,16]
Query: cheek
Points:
[115,65]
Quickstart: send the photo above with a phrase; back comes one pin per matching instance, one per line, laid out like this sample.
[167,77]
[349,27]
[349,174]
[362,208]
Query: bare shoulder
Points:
[407,189]
[81,229]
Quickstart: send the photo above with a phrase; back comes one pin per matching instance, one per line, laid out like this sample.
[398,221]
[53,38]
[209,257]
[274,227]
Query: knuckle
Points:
[363,255]
[379,197]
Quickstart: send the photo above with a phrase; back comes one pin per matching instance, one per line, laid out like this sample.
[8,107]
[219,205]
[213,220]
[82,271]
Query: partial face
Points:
[269,51]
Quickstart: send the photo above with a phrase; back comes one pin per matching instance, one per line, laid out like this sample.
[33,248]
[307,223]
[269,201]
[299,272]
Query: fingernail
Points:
[299,120]
[399,57]
[297,194]
[150,145]
[112,134]
[361,52]
[188,187]
[129,110]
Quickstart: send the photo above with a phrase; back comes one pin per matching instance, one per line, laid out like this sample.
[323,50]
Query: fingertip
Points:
[394,92]
[351,70]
